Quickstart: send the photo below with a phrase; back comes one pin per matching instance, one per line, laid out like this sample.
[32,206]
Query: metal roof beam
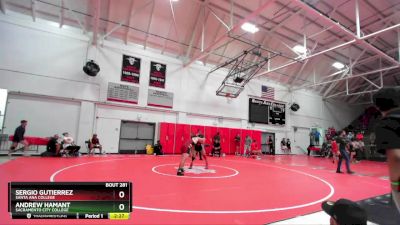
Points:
[360,40]
[189,49]
[3,6]
[355,40]
[351,77]
[77,19]
[61,16]
[221,20]
[298,73]
[214,38]
[351,65]
[33,10]
[149,24]
[213,45]
[166,40]
[132,12]
[96,21]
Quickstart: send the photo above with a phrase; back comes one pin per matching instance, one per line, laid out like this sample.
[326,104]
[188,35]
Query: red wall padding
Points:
[256,135]
[167,137]
[174,136]
[224,133]
[182,136]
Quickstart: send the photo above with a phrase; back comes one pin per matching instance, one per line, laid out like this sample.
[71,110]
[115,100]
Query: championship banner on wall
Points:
[122,93]
[130,69]
[160,99]
[157,74]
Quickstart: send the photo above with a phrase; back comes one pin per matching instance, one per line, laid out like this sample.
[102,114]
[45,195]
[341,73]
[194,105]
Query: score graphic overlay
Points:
[70,200]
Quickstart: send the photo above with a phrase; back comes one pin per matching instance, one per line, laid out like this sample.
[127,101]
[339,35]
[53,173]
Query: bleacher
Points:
[366,123]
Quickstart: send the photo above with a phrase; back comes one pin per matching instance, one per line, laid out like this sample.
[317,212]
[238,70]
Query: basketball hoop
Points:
[228,97]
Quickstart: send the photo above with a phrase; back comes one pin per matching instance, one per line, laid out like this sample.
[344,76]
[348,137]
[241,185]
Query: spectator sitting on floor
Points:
[53,147]
[158,148]
[94,143]
[345,212]
[255,150]
[68,145]
[216,147]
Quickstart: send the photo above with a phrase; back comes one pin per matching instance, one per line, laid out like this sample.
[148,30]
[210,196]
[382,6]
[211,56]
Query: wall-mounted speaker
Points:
[294,107]
[91,68]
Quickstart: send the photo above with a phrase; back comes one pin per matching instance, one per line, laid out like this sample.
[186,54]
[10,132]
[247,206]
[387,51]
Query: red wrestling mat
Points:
[234,190]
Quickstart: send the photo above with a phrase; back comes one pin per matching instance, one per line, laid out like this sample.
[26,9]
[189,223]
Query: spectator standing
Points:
[237,144]
[247,147]
[19,138]
[343,144]
[270,144]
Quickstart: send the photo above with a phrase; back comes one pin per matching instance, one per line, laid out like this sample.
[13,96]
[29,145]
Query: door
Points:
[167,137]
[301,140]
[265,148]
[182,135]
[135,136]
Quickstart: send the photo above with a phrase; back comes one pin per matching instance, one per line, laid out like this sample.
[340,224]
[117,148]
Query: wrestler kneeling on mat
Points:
[190,150]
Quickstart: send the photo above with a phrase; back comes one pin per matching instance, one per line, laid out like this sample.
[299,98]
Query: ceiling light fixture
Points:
[300,49]
[199,62]
[249,27]
[338,65]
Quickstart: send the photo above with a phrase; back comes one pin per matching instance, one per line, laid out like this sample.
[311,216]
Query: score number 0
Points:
[121,194]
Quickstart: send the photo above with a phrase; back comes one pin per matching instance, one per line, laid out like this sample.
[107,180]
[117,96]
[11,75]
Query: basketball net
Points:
[228,98]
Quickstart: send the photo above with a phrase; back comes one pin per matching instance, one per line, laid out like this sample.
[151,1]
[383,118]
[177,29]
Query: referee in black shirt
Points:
[19,138]
[388,134]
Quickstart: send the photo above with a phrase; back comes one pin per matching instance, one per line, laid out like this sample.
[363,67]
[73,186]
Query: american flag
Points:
[267,92]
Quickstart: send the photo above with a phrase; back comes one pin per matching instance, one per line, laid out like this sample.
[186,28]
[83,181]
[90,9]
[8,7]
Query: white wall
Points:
[45,117]
[45,61]
[3,101]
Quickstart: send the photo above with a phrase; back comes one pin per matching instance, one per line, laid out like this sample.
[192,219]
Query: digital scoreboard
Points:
[267,112]
[70,200]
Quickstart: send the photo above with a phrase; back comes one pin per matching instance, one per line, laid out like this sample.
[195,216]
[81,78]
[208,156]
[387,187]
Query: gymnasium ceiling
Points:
[209,32]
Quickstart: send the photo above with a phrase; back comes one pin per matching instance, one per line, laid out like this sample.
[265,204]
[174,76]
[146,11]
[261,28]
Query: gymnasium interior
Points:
[254,93]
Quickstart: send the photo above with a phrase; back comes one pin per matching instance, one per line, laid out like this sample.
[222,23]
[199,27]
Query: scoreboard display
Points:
[70,200]
[267,112]
[277,113]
